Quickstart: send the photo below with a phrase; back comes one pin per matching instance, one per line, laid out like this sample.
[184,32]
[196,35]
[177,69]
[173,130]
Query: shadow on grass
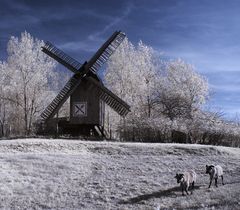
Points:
[157,194]
[233,182]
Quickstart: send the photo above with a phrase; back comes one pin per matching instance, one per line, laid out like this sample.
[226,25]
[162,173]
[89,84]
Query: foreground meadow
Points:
[71,174]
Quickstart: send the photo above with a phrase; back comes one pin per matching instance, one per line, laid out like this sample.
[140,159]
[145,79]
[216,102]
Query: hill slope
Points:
[68,174]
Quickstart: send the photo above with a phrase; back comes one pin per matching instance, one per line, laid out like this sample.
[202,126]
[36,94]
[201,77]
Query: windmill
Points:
[87,93]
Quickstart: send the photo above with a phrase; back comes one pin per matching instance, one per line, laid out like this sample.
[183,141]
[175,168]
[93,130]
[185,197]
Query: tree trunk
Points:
[25,111]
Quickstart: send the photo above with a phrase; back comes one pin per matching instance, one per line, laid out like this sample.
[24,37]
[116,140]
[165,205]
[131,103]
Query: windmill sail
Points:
[61,57]
[116,103]
[61,98]
[104,52]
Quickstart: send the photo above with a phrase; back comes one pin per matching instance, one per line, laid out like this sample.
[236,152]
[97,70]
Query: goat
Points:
[186,179]
[214,172]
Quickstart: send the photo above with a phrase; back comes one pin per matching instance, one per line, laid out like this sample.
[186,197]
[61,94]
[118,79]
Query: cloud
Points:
[226,88]
[78,45]
[115,21]
[95,40]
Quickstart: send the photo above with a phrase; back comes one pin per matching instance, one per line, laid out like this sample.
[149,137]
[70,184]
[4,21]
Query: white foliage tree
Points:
[29,79]
[3,104]
[181,91]
[131,74]
[159,92]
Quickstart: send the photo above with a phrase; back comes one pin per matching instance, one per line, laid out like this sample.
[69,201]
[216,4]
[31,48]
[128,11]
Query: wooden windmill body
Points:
[87,93]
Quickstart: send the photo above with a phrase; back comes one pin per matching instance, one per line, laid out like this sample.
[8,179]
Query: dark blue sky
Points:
[205,33]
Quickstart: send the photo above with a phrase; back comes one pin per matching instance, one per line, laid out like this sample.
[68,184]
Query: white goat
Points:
[214,172]
[186,179]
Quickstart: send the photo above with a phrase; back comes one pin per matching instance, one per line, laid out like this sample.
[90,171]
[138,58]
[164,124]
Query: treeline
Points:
[167,99]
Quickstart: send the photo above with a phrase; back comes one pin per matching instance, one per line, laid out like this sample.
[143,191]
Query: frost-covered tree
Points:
[131,75]
[181,91]
[160,92]
[2,102]
[27,79]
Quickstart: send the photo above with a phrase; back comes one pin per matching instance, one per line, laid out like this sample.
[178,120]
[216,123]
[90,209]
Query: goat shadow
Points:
[157,194]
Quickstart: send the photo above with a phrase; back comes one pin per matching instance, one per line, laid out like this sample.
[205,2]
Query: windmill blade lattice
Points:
[61,57]
[60,99]
[107,49]
[116,103]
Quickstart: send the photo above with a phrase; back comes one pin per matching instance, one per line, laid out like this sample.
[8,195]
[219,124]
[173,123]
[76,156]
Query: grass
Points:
[71,174]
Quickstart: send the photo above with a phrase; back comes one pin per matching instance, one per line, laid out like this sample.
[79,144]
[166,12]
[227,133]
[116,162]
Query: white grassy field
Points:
[72,174]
